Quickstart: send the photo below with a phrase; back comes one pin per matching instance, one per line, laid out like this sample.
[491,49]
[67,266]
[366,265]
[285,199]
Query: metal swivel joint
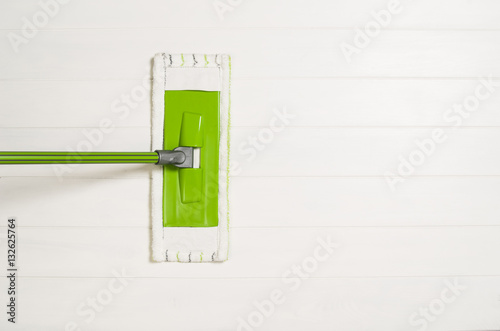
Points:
[181,157]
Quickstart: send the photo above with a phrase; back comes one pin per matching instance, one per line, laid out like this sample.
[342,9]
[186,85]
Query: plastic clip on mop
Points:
[190,140]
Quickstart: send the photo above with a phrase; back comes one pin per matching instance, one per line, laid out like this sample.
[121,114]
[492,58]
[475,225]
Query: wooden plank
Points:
[445,14]
[74,103]
[105,137]
[359,102]
[311,201]
[318,152]
[219,304]
[46,201]
[332,201]
[267,252]
[314,102]
[108,54]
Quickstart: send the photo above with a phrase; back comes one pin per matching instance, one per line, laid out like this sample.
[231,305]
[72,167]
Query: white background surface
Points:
[397,248]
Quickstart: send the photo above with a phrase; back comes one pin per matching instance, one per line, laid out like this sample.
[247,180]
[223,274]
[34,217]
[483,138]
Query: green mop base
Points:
[190,195]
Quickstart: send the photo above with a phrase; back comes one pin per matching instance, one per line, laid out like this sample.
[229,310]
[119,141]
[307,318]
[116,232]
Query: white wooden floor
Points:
[423,255]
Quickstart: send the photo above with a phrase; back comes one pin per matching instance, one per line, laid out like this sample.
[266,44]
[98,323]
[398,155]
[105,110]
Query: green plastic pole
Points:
[81,158]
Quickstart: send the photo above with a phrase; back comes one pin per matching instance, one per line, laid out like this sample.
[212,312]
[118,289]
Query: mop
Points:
[190,147]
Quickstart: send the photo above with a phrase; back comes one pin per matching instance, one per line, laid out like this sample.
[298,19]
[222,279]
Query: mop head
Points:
[190,209]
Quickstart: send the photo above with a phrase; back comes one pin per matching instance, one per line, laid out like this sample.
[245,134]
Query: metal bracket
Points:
[181,157]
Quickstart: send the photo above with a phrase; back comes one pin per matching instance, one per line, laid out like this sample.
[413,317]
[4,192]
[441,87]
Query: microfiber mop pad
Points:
[190,207]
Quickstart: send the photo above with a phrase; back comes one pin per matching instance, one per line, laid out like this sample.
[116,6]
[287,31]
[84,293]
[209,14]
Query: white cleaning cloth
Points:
[191,72]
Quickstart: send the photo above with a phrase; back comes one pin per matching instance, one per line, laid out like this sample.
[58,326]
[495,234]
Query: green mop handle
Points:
[181,157]
[75,157]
